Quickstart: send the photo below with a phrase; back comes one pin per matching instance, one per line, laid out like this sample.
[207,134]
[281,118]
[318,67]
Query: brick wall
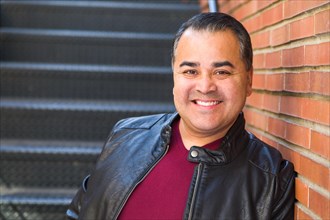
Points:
[290,105]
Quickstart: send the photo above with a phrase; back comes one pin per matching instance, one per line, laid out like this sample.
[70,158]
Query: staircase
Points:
[70,70]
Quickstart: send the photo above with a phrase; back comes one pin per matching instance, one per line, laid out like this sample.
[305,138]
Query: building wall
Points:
[290,105]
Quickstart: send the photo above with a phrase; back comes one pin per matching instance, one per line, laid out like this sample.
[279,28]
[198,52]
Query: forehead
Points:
[204,44]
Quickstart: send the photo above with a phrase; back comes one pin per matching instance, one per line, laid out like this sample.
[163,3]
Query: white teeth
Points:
[205,103]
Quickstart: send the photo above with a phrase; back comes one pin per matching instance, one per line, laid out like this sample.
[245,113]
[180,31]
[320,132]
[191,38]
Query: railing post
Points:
[213,5]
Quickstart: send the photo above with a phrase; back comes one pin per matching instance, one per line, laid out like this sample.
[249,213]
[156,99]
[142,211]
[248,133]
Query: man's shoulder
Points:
[266,157]
[145,122]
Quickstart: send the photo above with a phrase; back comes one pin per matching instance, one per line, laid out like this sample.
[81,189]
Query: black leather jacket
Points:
[243,179]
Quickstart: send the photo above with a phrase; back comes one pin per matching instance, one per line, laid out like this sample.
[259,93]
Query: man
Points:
[199,163]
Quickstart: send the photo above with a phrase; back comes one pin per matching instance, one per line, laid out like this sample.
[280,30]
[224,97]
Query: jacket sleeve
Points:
[283,208]
[73,211]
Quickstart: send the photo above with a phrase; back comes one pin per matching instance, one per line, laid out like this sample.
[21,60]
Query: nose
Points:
[206,84]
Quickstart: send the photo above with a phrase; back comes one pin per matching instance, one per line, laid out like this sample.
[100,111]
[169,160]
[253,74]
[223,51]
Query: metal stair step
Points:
[70,81]
[85,47]
[71,69]
[69,119]
[34,204]
[97,15]
[49,163]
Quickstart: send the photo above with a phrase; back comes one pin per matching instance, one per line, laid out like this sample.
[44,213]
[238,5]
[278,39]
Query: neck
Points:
[190,139]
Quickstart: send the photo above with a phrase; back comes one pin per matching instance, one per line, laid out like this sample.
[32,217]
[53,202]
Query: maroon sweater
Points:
[164,192]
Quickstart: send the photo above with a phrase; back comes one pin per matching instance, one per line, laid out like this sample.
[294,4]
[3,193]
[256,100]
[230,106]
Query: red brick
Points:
[295,211]
[256,99]
[255,119]
[293,57]
[243,12]
[227,6]
[276,127]
[274,82]
[256,133]
[302,192]
[311,109]
[274,59]
[294,7]
[297,82]
[320,144]
[269,142]
[315,172]
[316,110]
[302,28]
[319,204]
[260,40]
[259,61]
[320,82]
[317,54]
[301,215]
[203,6]
[280,35]
[272,15]
[253,24]
[263,4]
[271,103]
[250,8]
[292,156]
[322,22]
[291,106]
[297,135]
[259,81]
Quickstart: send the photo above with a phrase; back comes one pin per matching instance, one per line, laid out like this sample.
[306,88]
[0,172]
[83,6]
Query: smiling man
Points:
[200,162]
[211,83]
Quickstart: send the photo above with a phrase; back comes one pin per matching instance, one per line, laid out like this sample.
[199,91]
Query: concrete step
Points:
[101,82]
[85,47]
[158,16]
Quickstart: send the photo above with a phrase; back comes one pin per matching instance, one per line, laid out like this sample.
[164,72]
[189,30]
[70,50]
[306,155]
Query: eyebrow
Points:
[223,63]
[215,64]
[187,63]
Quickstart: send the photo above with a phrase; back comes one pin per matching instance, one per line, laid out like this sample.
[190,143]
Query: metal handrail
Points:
[213,6]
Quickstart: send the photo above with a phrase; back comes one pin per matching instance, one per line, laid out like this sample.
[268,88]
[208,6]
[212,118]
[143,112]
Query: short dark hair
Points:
[217,21]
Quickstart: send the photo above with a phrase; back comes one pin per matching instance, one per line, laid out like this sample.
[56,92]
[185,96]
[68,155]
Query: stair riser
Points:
[93,18]
[62,124]
[56,49]
[82,85]
[42,170]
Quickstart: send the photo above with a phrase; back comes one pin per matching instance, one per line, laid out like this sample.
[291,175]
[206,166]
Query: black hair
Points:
[216,21]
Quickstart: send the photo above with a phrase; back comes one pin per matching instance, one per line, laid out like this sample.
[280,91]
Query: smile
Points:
[207,103]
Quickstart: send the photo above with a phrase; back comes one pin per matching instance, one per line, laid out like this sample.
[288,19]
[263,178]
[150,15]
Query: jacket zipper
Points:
[129,194]
[195,191]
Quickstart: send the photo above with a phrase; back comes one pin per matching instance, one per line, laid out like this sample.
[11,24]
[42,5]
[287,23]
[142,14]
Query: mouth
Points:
[207,103]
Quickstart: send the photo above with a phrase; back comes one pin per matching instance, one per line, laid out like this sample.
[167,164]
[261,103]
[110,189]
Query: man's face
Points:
[211,82]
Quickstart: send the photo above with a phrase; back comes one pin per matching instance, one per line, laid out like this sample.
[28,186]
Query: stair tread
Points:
[41,196]
[83,105]
[160,5]
[66,33]
[84,67]
[50,147]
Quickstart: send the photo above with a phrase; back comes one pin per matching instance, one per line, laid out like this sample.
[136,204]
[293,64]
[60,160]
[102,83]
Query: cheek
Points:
[233,90]
[180,87]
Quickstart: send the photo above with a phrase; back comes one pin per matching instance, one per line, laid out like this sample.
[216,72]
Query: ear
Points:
[249,82]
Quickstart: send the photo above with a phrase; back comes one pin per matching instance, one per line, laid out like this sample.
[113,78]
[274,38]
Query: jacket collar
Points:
[232,145]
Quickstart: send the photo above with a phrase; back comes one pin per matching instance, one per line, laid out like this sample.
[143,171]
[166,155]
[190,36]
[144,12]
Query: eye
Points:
[222,74]
[190,72]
